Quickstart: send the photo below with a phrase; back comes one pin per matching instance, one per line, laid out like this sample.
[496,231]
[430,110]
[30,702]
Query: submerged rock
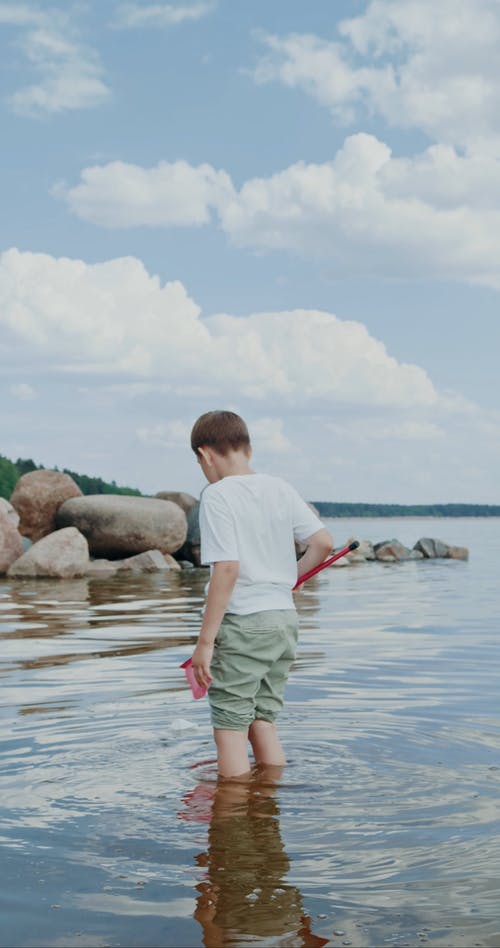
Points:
[37,497]
[151,561]
[62,555]
[117,525]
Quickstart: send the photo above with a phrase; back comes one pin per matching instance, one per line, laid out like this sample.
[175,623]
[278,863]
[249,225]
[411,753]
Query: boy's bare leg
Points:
[266,743]
[232,754]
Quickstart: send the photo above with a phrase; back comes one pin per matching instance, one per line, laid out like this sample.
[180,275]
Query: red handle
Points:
[336,556]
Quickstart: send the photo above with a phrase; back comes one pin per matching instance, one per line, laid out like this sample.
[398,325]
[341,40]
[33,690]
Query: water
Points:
[384,828]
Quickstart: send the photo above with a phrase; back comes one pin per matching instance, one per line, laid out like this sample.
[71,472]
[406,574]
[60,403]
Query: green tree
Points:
[9,475]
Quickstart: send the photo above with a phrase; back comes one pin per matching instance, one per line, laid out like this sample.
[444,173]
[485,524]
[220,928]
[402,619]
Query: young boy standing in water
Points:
[248,525]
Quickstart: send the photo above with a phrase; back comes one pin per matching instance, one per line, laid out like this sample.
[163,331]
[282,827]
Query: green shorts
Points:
[250,665]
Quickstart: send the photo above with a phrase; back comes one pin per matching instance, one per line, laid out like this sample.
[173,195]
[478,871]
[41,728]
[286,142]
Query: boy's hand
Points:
[202,656]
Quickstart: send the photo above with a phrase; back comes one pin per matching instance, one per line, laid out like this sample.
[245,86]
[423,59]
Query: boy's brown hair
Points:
[223,431]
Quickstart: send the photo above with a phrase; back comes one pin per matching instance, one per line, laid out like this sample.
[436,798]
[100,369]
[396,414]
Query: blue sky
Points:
[288,209]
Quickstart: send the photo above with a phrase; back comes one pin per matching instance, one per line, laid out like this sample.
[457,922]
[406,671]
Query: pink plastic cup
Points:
[198,691]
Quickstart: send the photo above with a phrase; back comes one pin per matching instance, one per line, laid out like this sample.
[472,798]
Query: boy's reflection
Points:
[244,893]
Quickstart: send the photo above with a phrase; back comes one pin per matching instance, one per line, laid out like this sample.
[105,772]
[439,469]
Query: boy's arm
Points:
[319,545]
[224,576]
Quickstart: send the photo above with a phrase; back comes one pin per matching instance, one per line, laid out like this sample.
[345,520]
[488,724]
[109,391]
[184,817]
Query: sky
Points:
[284,209]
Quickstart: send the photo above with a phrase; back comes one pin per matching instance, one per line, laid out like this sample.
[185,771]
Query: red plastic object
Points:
[198,691]
[336,556]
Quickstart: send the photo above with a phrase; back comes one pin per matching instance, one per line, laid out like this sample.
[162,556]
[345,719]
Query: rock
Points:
[343,561]
[390,551]
[416,555]
[185,501]
[364,551]
[11,542]
[431,548]
[191,548]
[37,497]
[151,561]
[9,511]
[186,564]
[458,553]
[117,525]
[103,568]
[172,562]
[63,555]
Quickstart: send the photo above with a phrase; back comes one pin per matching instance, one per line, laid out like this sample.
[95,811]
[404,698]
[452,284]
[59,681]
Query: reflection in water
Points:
[245,895]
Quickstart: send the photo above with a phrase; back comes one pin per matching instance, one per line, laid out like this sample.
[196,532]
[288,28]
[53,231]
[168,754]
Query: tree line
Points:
[11,471]
[327,509]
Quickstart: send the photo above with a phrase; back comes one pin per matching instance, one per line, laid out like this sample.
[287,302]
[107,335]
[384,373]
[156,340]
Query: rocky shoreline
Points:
[49,529]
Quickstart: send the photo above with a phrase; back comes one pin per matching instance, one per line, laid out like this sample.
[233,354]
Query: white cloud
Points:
[69,75]
[124,195]
[166,434]
[365,212]
[403,430]
[122,360]
[416,63]
[110,317]
[369,213]
[116,319]
[133,15]
[268,436]
[23,391]
[20,14]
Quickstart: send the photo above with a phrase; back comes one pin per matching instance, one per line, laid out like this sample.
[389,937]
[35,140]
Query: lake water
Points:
[385,826]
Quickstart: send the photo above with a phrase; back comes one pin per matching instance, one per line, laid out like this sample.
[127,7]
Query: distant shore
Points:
[415,511]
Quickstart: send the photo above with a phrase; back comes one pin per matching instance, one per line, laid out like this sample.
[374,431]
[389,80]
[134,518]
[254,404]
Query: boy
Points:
[248,523]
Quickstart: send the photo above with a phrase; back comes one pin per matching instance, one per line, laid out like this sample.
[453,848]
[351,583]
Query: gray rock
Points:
[390,551]
[37,497]
[119,525]
[431,548]
[185,501]
[416,555]
[63,555]
[151,561]
[191,548]
[11,542]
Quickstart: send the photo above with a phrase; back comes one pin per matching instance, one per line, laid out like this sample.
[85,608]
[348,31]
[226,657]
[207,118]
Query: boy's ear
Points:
[206,455]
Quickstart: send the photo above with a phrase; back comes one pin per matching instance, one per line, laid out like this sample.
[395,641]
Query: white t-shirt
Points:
[254,518]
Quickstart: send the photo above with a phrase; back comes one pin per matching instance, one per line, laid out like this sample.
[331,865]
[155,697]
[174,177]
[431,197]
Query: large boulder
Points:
[9,511]
[190,550]
[11,542]
[62,555]
[185,501]
[117,525]
[37,497]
